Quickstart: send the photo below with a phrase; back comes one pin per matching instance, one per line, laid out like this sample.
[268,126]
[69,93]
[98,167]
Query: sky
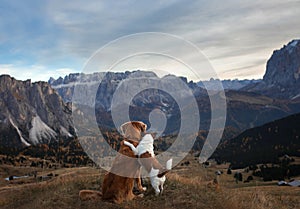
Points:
[52,38]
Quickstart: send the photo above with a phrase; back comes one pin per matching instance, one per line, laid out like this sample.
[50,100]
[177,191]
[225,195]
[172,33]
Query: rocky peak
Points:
[283,68]
[9,82]
[282,77]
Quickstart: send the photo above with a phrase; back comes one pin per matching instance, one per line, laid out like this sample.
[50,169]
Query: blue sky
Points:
[40,39]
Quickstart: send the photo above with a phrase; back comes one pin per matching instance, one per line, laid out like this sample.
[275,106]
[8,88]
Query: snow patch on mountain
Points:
[65,132]
[40,131]
[295,97]
[19,133]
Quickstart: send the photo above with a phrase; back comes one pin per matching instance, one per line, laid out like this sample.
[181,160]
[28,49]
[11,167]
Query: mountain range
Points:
[34,113]
[228,84]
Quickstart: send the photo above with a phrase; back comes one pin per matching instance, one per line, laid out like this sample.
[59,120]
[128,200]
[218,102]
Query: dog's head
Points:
[133,129]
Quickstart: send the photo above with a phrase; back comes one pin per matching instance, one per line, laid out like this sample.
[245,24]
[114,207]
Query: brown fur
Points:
[89,195]
[118,188]
[133,129]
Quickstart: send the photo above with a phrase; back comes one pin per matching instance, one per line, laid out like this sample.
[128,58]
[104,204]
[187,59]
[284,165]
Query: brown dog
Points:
[118,188]
[133,130]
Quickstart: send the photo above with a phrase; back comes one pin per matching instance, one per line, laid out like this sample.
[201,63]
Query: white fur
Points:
[157,183]
[145,145]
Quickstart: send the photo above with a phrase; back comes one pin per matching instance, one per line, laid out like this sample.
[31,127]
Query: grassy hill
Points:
[187,186]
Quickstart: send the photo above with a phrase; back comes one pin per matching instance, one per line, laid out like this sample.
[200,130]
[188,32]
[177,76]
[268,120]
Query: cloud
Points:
[64,34]
[33,72]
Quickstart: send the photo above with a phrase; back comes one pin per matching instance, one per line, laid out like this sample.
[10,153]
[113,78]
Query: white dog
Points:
[146,145]
[156,182]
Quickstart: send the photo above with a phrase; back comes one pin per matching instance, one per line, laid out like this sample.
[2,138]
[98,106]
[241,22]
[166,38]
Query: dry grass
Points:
[186,187]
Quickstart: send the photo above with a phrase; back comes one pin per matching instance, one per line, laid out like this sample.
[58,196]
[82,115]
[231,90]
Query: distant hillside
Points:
[262,144]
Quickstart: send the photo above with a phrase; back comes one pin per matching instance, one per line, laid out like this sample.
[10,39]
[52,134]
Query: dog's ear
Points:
[121,129]
[124,127]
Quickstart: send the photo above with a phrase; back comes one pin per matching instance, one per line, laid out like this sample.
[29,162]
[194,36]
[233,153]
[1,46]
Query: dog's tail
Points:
[89,195]
[168,168]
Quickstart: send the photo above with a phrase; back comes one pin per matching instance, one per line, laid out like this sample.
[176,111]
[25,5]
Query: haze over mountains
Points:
[33,113]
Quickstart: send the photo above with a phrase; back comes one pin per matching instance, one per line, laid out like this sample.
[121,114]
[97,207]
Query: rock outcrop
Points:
[283,68]
[31,113]
[282,77]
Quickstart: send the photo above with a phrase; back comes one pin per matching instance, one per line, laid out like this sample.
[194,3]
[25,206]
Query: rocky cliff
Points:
[31,113]
[282,77]
[283,68]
